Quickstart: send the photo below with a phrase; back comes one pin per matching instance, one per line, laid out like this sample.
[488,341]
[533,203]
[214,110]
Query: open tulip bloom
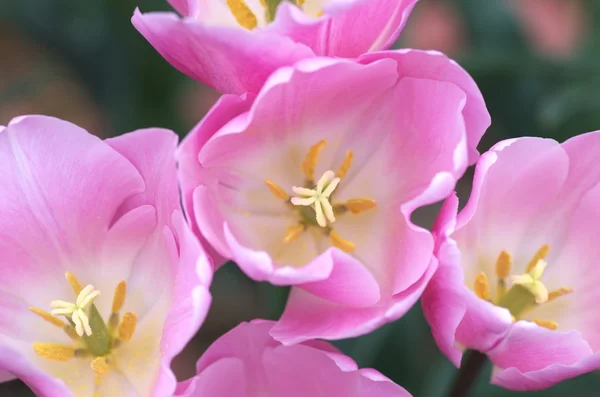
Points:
[247,361]
[234,45]
[518,275]
[101,281]
[312,182]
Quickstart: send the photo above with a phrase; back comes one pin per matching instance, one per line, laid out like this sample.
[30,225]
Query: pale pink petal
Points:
[264,367]
[512,378]
[433,65]
[43,158]
[349,29]
[224,378]
[40,382]
[151,151]
[192,175]
[190,302]
[182,6]
[230,59]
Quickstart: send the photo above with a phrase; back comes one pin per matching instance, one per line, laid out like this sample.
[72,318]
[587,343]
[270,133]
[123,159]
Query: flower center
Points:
[527,290]
[91,336]
[313,203]
[247,19]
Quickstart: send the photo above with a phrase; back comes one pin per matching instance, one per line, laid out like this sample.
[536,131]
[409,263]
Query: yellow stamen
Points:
[358,205]
[119,297]
[100,366]
[127,326]
[540,254]
[310,161]
[54,351]
[341,243]
[263,3]
[551,325]
[242,14]
[74,282]
[343,170]
[503,265]
[562,291]
[48,317]
[292,233]
[482,288]
[300,2]
[319,13]
[276,190]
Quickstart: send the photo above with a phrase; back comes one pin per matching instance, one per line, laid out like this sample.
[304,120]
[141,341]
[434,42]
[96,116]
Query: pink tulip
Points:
[234,45]
[524,246]
[248,362]
[101,281]
[312,182]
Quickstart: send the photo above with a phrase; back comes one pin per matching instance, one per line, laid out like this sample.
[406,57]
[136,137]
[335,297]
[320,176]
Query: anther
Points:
[562,291]
[119,297]
[292,233]
[242,14]
[482,287]
[503,265]
[359,205]
[100,366]
[310,161]
[341,243]
[541,253]
[551,325]
[276,190]
[127,326]
[54,351]
[343,170]
[48,317]
[75,285]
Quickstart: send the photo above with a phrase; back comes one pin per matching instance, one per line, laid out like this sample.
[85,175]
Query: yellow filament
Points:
[562,291]
[242,14]
[341,243]
[276,190]
[310,161]
[503,265]
[54,351]
[358,205]
[127,326]
[74,282]
[343,170]
[482,288]
[263,3]
[48,317]
[292,233]
[540,254]
[100,366]
[119,297]
[551,325]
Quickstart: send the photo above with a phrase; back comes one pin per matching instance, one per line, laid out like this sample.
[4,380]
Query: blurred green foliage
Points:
[527,94]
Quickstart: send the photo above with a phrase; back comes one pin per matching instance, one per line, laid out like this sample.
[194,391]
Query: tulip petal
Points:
[230,59]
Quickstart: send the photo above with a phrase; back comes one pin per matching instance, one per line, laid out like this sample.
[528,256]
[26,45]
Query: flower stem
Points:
[468,373]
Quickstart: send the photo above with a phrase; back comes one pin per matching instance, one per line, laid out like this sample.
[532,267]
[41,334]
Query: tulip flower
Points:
[248,362]
[516,277]
[235,45]
[101,281]
[312,182]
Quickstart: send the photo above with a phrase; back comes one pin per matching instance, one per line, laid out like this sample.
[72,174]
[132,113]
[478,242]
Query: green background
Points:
[83,61]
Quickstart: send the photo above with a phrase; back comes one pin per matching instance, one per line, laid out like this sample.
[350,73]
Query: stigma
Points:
[92,337]
[313,202]
[526,290]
